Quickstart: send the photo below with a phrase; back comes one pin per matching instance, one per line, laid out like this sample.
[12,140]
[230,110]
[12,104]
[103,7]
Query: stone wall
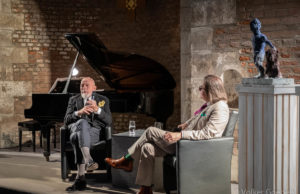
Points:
[216,39]
[11,89]
[34,51]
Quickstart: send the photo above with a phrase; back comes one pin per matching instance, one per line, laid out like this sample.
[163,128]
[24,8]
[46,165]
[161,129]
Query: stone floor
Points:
[28,172]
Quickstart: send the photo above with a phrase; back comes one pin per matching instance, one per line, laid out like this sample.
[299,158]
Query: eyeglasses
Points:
[201,88]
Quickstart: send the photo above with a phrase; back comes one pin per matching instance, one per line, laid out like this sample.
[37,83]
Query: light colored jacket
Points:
[210,123]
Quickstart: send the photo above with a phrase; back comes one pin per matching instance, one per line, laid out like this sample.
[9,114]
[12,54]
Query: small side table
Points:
[120,144]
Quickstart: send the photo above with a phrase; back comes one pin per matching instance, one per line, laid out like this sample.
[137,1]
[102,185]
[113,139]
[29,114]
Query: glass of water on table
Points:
[131,128]
[158,125]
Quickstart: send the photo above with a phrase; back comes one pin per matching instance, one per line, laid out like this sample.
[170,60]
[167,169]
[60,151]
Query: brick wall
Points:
[216,39]
[280,23]
[121,121]
[153,32]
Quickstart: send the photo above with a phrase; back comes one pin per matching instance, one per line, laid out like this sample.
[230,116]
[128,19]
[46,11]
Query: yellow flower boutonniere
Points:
[101,103]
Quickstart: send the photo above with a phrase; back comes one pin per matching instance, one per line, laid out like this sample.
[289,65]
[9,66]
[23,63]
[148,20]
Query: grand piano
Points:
[139,85]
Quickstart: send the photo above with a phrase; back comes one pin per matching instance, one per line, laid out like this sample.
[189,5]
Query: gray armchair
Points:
[99,152]
[201,166]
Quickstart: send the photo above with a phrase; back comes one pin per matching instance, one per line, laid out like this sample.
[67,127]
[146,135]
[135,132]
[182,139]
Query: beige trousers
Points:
[150,145]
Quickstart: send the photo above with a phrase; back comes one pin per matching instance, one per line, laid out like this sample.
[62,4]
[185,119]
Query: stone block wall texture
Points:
[212,36]
[11,89]
[34,52]
[215,38]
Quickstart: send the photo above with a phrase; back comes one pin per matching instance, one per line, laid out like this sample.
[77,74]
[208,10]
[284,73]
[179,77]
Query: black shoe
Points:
[78,185]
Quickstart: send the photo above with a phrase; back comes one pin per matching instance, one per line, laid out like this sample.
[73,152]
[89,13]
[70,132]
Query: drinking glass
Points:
[158,125]
[131,128]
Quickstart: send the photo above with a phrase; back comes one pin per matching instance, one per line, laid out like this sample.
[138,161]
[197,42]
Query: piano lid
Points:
[121,71]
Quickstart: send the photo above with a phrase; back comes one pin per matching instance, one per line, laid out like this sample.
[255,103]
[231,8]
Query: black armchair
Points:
[202,166]
[99,152]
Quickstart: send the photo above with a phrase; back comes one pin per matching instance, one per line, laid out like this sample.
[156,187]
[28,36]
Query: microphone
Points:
[92,98]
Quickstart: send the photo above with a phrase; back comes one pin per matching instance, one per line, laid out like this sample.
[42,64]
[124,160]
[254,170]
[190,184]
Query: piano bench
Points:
[33,126]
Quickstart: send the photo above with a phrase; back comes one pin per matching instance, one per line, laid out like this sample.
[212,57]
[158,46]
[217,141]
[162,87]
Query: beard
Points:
[84,95]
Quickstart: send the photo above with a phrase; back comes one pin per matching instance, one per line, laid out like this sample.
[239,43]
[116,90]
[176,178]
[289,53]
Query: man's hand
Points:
[85,110]
[92,104]
[172,137]
[182,126]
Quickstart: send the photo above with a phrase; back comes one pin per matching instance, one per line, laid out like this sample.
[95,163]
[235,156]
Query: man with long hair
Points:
[208,122]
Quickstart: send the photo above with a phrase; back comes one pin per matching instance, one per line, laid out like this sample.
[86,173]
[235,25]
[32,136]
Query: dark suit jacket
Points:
[99,120]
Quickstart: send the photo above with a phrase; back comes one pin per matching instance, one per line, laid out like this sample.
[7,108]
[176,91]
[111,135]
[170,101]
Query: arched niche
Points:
[231,78]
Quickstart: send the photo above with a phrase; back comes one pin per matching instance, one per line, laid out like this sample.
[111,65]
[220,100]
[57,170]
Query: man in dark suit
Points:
[87,114]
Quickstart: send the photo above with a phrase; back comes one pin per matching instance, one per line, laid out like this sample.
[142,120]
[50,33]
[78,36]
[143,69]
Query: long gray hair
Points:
[214,89]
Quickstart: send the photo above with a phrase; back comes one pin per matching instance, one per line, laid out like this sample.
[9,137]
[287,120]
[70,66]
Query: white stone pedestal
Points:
[268,136]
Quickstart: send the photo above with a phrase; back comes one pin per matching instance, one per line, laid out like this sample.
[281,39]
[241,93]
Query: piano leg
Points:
[46,141]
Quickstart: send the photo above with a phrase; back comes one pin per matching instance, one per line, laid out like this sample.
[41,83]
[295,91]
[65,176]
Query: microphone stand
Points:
[70,75]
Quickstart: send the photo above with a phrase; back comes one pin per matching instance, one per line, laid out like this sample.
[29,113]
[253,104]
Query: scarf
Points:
[201,109]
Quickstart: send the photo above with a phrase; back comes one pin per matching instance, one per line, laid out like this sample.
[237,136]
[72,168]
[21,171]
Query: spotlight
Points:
[75,72]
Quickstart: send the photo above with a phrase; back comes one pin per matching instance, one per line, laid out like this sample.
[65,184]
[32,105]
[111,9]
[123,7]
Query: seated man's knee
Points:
[74,138]
[148,150]
[82,123]
[151,131]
